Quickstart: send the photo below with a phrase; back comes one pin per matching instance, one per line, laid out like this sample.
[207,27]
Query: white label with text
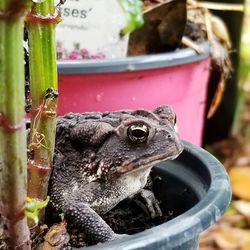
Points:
[91,30]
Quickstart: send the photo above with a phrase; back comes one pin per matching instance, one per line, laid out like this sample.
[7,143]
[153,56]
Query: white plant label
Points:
[92,27]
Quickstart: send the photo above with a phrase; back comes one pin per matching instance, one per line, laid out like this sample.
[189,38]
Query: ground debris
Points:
[56,238]
[220,237]
[232,231]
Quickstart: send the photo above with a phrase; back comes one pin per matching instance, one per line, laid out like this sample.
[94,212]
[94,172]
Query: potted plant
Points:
[142,80]
[201,195]
[178,77]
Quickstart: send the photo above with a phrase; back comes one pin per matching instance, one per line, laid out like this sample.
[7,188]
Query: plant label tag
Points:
[91,30]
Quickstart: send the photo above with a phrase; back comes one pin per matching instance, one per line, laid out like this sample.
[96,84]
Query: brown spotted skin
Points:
[102,158]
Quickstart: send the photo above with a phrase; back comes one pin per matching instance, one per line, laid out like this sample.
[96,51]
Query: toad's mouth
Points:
[142,164]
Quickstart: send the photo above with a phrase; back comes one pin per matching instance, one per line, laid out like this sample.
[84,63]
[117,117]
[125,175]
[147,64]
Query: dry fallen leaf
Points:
[231,239]
[55,238]
[218,36]
[162,31]
[233,220]
[240,181]
[243,207]
[216,100]
[246,246]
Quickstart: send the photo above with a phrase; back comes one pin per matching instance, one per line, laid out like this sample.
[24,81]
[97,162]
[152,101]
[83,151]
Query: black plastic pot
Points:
[196,187]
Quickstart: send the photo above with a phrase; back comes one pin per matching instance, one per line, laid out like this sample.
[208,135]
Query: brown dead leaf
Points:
[162,31]
[217,96]
[233,220]
[243,207]
[55,238]
[246,246]
[240,181]
[231,238]
[220,44]
[220,30]
[224,238]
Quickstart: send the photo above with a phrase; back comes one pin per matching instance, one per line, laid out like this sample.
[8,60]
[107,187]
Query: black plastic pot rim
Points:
[177,57]
[190,224]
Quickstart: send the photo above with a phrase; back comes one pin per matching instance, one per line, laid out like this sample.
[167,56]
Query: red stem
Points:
[55,18]
[6,124]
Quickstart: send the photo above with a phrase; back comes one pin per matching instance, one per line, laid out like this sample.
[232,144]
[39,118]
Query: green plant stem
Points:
[13,160]
[43,76]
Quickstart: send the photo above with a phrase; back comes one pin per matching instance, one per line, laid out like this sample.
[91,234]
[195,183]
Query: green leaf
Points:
[133,11]
[33,206]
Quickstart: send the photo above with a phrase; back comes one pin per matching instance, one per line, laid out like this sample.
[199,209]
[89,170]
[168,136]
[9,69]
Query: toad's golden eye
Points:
[138,133]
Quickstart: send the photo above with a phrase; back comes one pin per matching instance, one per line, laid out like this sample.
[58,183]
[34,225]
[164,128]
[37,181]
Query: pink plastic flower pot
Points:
[178,79]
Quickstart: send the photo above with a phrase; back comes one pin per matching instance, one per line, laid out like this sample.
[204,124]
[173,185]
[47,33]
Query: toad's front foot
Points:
[152,204]
[94,227]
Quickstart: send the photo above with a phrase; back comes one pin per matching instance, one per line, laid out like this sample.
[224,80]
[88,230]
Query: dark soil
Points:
[130,218]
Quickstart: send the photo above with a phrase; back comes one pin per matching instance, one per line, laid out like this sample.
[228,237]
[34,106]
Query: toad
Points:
[103,158]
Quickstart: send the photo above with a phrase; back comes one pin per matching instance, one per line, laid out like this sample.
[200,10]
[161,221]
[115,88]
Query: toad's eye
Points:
[138,133]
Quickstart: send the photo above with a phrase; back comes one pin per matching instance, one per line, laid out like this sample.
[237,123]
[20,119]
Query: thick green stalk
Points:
[43,80]
[13,160]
